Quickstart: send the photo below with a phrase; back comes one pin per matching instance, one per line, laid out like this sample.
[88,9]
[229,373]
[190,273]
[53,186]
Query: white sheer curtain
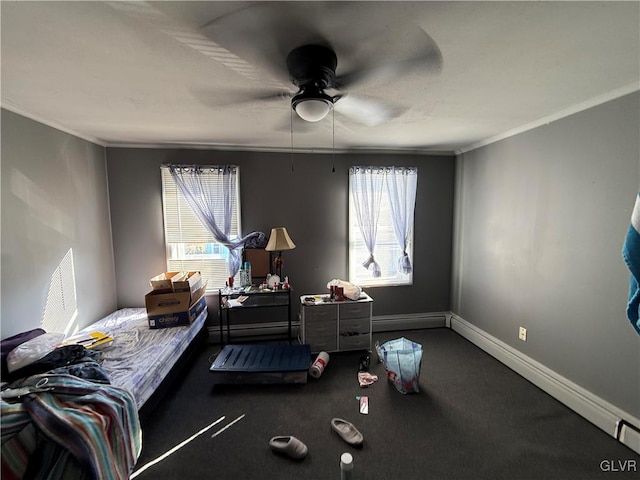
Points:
[213,209]
[366,190]
[402,184]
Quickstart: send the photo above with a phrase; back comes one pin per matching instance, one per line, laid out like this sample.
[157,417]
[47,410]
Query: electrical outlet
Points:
[522,334]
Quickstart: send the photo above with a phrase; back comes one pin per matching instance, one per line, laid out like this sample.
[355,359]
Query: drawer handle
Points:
[350,333]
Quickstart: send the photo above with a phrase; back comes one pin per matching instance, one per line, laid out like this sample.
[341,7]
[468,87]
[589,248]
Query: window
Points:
[381,207]
[190,245]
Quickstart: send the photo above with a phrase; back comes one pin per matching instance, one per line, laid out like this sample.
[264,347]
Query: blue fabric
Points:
[631,255]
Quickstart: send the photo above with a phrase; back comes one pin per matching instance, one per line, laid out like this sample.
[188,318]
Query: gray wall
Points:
[310,201]
[54,198]
[541,221]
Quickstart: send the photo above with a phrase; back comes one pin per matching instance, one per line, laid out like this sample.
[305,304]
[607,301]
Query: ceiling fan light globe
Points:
[312,109]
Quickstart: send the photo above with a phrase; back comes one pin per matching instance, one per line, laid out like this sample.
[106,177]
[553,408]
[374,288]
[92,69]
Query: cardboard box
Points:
[163,281]
[172,309]
[192,283]
[177,282]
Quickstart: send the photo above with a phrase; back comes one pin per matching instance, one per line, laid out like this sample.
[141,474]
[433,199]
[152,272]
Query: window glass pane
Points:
[387,251]
[190,245]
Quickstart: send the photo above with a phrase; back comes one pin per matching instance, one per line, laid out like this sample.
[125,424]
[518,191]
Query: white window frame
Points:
[183,233]
[386,252]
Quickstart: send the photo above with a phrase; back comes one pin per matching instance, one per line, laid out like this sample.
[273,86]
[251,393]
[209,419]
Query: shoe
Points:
[289,446]
[347,431]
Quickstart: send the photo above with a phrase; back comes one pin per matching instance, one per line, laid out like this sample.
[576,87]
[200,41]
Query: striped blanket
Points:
[631,255]
[73,428]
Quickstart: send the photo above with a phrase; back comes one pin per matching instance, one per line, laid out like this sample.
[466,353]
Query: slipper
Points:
[289,446]
[347,432]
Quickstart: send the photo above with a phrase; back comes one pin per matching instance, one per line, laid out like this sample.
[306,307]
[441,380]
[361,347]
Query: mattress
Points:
[140,358]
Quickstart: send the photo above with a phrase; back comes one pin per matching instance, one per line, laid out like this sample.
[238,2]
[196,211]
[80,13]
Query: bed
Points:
[143,360]
[80,426]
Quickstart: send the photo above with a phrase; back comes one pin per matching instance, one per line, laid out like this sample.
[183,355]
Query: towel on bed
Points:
[69,427]
[631,255]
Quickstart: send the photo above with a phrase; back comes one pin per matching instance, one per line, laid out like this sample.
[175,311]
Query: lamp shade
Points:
[279,240]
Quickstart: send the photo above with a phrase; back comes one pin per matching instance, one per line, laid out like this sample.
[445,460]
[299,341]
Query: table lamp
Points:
[279,241]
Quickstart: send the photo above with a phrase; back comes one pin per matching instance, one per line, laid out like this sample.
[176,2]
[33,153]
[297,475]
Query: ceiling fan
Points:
[312,68]
[288,38]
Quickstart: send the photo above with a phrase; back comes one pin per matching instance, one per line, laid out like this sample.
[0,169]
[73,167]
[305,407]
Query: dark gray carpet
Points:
[473,419]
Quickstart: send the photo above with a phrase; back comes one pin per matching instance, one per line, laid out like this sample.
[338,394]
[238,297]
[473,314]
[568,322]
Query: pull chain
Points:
[333,140]
[291,123]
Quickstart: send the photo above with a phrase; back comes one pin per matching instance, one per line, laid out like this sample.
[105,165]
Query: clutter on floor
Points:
[347,431]
[319,365]
[364,405]
[402,359]
[289,445]
[346,466]
[262,364]
[365,379]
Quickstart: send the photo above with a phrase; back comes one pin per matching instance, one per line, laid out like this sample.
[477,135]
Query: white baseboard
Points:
[408,321]
[598,411]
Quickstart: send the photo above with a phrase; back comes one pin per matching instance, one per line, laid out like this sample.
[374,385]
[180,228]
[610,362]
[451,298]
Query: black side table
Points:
[230,299]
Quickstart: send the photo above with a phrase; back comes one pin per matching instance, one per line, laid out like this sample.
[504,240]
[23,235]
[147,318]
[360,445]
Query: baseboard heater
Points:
[625,436]
[408,321]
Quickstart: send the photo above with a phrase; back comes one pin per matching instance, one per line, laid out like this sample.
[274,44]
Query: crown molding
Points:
[12,107]
[262,149]
[593,102]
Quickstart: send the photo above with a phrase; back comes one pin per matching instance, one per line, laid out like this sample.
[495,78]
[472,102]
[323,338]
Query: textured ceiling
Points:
[184,73]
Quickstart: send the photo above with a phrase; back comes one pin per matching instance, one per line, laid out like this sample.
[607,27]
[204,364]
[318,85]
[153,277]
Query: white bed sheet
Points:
[140,357]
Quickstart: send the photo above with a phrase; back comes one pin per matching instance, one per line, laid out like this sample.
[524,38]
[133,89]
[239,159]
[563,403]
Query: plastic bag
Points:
[33,350]
[8,344]
[402,359]
[350,290]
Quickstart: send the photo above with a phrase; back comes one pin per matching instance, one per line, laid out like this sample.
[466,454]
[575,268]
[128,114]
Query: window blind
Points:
[190,245]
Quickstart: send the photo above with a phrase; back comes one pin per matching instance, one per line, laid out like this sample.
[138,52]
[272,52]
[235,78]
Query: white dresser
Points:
[336,326]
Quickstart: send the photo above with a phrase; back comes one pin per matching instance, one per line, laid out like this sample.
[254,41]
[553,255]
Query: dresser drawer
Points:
[327,327]
[355,310]
[326,343]
[355,342]
[355,325]
[320,313]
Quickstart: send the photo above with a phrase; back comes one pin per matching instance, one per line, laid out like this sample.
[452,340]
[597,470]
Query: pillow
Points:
[10,343]
[33,350]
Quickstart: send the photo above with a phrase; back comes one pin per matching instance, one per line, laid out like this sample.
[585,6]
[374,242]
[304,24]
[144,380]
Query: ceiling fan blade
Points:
[263,34]
[367,111]
[238,97]
[390,54]
[390,71]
